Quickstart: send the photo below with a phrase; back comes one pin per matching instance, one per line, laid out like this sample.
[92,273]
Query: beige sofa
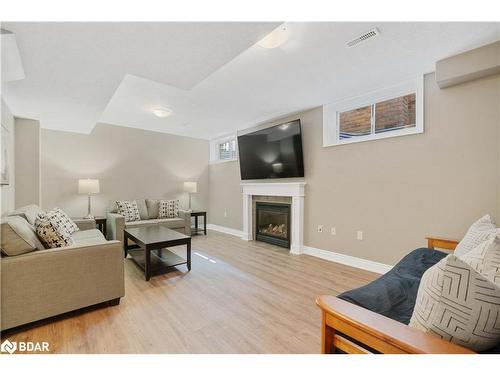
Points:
[148,211]
[38,283]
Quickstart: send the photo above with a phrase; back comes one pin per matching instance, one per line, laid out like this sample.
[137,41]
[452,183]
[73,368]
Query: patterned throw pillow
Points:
[51,233]
[129,210]
[458,304]
[485,259]
[168,209]
[478,232]
[62,220]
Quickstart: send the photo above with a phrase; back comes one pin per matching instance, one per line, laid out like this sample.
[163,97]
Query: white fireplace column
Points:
[295,190]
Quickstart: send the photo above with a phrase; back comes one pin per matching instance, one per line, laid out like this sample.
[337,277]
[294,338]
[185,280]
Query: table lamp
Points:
[90,187]
[190,187]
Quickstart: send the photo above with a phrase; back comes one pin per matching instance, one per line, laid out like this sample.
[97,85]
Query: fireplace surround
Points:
[295,191]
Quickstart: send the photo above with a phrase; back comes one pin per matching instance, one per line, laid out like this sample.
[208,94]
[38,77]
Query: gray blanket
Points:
[394,294]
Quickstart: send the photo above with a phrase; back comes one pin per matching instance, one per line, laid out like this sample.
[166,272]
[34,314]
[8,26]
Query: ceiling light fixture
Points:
[161,112]
[275,38]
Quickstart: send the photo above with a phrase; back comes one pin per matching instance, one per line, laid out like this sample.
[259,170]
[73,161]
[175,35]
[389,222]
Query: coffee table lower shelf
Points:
[161,260]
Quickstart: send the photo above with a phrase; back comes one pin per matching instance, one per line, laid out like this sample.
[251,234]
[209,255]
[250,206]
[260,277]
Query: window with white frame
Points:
[385,113]
[227,150]
[223,149]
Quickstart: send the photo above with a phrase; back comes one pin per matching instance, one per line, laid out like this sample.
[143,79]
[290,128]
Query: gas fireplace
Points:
[273,223]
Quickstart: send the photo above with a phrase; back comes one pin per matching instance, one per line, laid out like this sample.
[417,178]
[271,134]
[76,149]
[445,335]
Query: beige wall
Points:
[27,141]
[130,163]
[395,190]
[8,191]
[226,205]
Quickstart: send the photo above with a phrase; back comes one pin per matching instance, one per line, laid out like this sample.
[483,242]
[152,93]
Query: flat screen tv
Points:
[274,152]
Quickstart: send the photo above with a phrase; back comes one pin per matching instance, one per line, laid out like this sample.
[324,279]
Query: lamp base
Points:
[89,217]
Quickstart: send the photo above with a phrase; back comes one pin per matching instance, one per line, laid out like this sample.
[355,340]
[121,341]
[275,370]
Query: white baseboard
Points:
[348,260]
[231,231]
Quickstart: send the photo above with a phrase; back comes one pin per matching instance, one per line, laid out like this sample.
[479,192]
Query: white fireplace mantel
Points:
[295,190]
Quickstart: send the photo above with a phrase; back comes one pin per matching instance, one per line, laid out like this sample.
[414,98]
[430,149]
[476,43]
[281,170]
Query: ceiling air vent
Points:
[368,35]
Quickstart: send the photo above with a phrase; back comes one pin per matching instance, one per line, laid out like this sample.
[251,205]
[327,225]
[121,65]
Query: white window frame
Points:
[215,145]
[331,131]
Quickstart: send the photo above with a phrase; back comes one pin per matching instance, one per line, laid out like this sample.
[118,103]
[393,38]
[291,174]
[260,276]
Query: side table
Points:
[196,214]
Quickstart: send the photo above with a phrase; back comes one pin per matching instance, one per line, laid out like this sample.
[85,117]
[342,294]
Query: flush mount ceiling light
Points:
[161,112]
[275,38]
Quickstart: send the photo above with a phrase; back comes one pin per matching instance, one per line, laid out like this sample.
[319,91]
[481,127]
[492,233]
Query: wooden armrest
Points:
[441,243]
[344,321]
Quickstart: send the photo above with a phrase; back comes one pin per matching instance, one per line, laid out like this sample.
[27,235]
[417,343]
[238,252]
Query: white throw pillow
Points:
[478,232]
[129,210]
[485,259]
[30,212]
[168,209]
[63,220]
[51,233]
[458,304]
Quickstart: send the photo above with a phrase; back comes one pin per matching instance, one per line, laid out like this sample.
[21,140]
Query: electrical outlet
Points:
[225,213]
[360,235]
[333,231]
[320,228]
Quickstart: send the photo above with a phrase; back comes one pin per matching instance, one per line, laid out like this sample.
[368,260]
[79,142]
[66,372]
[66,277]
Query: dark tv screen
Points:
[274,152]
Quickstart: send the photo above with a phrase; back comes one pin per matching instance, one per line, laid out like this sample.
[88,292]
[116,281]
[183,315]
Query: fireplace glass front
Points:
[273,223]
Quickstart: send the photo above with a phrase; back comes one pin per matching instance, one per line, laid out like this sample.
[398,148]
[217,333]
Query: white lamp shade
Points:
[190,187]
[88,186]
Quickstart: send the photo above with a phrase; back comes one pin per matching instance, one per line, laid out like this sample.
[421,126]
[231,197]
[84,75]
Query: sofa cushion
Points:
[140,223]
[88,237]
[172,223]
[478,232]
[153,208]
[141,206]
[29,212]
[129,210]
[458,304]
[51,233]
[18,237]
[168,209]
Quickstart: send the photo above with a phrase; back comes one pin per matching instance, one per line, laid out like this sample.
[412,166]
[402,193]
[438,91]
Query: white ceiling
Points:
[73,69]
[212,75]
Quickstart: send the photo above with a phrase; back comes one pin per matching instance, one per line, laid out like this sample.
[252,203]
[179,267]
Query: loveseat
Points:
[37,283]
[148,212]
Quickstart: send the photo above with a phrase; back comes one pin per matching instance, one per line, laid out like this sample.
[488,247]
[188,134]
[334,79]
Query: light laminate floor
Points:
[240,297]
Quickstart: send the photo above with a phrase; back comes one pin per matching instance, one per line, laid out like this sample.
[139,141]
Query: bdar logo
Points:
[24,346]
[9,347]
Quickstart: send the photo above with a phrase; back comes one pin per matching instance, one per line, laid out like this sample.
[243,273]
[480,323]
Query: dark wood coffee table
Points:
[152,255]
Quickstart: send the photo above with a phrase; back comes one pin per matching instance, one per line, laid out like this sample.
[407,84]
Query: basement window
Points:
[227,150]
[382,114]
[223,149]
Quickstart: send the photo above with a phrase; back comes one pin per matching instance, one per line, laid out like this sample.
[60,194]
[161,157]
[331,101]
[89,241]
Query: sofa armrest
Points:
[115,225]
[354,329]
[85,224]
[186,216]
[441,243]
[49,282]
